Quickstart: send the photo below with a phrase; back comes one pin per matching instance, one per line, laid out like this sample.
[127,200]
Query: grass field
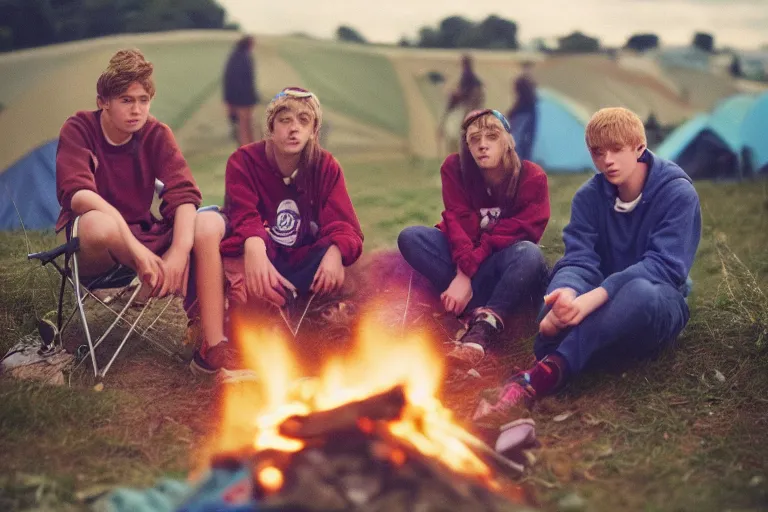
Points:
[197,66]
[687,432]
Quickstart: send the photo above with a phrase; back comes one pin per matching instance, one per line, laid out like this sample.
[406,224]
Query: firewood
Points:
[384,406]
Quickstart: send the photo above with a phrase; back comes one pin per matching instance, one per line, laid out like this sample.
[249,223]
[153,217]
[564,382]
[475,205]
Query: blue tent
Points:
[754,136]
[710,146]
[30,185]
[558,144]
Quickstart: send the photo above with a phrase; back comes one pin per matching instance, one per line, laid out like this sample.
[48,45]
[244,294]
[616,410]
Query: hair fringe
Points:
[510,159]
[614,126]
[125,68]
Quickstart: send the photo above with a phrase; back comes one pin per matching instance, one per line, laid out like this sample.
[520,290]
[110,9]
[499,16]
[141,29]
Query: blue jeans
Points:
[637,322]
[504,281]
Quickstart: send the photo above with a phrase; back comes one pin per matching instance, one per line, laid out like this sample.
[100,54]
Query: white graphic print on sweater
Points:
[489,217]
[287,223]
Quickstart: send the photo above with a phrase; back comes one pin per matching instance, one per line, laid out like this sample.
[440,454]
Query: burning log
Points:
[386,406]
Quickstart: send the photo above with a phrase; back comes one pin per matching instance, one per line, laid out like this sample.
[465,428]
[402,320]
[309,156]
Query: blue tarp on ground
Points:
[29,185]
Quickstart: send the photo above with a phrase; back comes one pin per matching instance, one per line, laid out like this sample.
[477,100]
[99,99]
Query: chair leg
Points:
[83,319]
[127,335]
[119,317]
[167,303]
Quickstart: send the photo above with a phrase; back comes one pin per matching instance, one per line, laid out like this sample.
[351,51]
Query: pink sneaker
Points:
[515,398]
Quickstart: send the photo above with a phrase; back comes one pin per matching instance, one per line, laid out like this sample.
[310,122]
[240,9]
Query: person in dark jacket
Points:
[240,93]
[522,115]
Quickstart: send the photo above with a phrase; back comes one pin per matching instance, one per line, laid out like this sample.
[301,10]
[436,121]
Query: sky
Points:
[735,23]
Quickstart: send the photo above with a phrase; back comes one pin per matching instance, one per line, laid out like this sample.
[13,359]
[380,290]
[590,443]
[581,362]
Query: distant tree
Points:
[642,42]
[429,38]
[492,32]
[735,67]
[704,41]
[404,42]
[578,43]
[6,38]
[503,32]
[349,34]
[29,23]
[459,32]
[451,29]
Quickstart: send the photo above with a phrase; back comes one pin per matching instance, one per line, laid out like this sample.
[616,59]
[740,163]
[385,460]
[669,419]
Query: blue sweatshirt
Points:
[656,241]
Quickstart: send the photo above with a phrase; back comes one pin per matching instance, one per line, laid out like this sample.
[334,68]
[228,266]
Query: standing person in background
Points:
[469,95]
[522,115]
[240,93]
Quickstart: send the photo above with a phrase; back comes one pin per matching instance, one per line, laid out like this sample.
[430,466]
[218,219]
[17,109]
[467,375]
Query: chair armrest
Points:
[45,257]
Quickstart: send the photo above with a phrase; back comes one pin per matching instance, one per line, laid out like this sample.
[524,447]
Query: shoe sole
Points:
[200,371]
[460,363]
[234,376]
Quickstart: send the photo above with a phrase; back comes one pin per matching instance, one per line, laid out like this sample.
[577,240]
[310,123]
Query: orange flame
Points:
[254,410]
[270,478]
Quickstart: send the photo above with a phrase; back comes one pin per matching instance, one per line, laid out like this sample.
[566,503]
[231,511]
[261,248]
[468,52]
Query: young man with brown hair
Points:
[619,291]
[106,166]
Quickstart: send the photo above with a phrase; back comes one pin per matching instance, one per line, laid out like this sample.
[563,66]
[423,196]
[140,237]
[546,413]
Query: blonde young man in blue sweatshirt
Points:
[619,291]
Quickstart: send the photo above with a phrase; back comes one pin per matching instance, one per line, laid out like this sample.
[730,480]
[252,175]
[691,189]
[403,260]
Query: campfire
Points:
[365,432]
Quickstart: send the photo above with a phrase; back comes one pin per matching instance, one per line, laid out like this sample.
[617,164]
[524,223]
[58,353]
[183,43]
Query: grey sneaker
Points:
[470,351]
[466,355]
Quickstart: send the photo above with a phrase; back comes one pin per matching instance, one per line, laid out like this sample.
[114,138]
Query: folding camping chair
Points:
[119,276]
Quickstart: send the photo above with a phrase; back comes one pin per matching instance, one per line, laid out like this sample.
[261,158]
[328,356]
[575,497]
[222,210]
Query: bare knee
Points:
[97,230]
[209,229]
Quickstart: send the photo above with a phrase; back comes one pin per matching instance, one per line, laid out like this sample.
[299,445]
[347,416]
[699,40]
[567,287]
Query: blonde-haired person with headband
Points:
[107,162]
[619,291]
[287,228]
[483,259]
